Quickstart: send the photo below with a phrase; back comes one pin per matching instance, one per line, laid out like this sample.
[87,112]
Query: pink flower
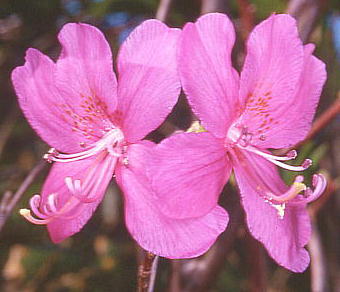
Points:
[270,105]
[96,124]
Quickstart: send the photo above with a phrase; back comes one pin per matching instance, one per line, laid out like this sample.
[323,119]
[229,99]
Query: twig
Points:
[198,275]
[9,201]
[306,12]
[257,265]
[163,9]
[247,17]
[318,262]
[213,6]
[322,121]
[326,117]
[153,274]
[7,127]
[146,273]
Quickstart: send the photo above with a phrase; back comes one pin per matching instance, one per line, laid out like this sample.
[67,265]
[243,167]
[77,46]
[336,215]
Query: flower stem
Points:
[9,200]
[163,9]
[147,273]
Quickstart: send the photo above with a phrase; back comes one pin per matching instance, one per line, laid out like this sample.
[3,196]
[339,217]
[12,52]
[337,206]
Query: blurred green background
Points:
[103,257]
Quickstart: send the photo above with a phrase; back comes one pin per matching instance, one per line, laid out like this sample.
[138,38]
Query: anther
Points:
[307,163]
[292,154]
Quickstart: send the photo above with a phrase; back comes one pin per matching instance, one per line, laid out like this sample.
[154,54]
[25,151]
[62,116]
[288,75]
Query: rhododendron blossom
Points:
[96,124]
[270,105]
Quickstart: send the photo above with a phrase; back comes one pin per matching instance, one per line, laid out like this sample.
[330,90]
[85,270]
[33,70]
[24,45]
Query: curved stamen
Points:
[81,194]
[297,194]
[290,155]
[296,188]
[58,157]
[27,214]
[34,203]
[319,183]
[82,191]
[110,141]
[307,163]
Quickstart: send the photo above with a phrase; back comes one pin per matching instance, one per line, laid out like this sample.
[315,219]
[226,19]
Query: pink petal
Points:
[155,232]
[188,172]
[148,81]
[34,84]
[74,220]
[283,238]
[71,103]
[270,77]
[85,66]
[295,124]
[207,76]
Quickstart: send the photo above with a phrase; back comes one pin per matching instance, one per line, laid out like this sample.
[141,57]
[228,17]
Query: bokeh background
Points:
[103,257]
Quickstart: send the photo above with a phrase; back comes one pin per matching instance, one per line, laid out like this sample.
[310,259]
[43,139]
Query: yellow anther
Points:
[299,187]
[24,212]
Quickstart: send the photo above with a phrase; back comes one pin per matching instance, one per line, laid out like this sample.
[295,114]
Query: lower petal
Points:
[283,237]
[157,233]
[73,221]
[188,172]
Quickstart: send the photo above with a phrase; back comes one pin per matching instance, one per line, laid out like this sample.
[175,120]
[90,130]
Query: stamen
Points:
[110,141]
[34,203]
[319,183]
[51,203]
[27,214]
[307,163]
[82,191]
[309,195]
[290,155]
[296,188]
[80,194]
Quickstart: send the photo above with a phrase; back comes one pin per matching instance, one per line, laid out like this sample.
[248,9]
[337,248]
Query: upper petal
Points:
[188,172]
[148,82]
[296,122]
[154,231]
[270,77]
[84,68]
[284,238]
[72,221]
[70,104]
[34,84]
[207,75]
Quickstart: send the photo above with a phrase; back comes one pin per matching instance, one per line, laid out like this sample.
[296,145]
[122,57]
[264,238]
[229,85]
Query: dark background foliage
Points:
[103,257]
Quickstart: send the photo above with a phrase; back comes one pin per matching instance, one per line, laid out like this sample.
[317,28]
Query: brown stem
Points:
[322,121]
[318,261]
[7,127]
[146,273]
[198,275]
[213,6]
[163,9]
[9,201]
[256,265]
[306,13]
[247,17]
[326,117]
